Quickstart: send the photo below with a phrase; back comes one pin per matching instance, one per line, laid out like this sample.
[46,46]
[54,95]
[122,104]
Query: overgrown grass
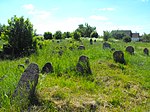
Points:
[111,87]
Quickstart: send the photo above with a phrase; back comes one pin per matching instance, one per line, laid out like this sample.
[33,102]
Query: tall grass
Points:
[113,86]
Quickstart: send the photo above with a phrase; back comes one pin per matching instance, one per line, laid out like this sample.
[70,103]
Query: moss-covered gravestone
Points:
[119,57]
[25,89]
[130,50]
[146,51]
[83,66]
[106,45]
[81,47]
[48,68]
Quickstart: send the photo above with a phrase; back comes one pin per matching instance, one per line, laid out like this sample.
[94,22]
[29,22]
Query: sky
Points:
[66,15]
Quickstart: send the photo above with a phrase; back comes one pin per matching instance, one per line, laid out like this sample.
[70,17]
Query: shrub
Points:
[94,34]
[76,35]
[58,35]
[48,35]
[127,39]
[20,34]
[66,35]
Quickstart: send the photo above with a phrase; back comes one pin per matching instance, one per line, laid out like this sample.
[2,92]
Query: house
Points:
[135,37]
[125,32]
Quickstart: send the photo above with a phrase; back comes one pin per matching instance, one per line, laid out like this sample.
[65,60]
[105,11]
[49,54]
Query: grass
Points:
[111,87]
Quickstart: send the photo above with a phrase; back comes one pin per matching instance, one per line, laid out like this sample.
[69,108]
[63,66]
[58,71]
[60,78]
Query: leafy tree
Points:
[85,30]
[94,34]
[66,35]
[48,35]
[146,37]
[127,39]
[107,35]
[20,34]
[76,35]
[118,35]
[58,35]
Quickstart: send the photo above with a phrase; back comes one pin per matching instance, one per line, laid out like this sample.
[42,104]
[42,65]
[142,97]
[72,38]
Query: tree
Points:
[76,35]
[66,35]
[146,37]
[48,35]
[85,30]
[94,34]
[127,39]
[20,34]
[107,35]
[58,35]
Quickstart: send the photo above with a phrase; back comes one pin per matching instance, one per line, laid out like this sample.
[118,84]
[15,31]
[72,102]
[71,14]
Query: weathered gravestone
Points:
[83,66]
[130,49]
[81,47]
[94,40]
[118,56]
[146,51]
[48,68]
[27,61]
[25,90]
[91,41]
[106,45]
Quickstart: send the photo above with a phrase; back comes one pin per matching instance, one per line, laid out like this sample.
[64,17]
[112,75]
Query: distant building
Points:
[135,37]
[125,32]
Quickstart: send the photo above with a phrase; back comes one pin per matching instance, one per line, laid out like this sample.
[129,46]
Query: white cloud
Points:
[106,9]
[101,18]
[144,0]
[28,7]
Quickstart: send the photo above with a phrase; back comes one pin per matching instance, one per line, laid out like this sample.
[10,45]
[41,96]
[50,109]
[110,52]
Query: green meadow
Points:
[112,87]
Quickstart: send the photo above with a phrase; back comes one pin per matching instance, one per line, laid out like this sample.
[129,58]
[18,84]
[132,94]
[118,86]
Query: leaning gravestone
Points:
[91,41]
[146,51]
[106,45]
[83,66]
[119,57]
[81,47]
[25,90]
[130,49]
[48,68]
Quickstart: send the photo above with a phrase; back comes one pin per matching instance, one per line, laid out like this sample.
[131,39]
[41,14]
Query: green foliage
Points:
[94,34]
[107,35]
[20,34]
[146,37]
[76,35]
[117,35]
[48,35]
[58,35]
[85,30]
[127,39]
[66,35]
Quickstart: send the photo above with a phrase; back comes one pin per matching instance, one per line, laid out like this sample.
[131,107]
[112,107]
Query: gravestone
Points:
[146,51]
[81,47]
[27,61]
[112,49]
[25,90]
[118,56]
[91,41]
[83,66]
[94,40]
[130,50]
[48,68]
[106,45]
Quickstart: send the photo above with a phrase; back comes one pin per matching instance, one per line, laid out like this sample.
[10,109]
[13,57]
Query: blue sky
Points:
[66,15]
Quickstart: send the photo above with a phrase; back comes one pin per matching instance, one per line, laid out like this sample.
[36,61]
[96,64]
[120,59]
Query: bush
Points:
[94,34]
[48,35]
[76,35]
[58,35]
[20,34]
[66,35]
[127,39]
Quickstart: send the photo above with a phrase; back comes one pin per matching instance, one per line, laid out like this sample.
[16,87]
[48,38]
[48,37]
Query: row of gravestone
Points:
[25,90]
[129,49]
